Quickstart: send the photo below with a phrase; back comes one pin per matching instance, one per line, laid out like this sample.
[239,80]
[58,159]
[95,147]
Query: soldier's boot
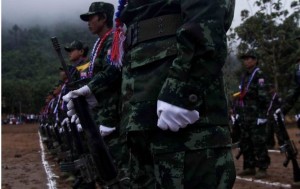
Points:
[261,173]
[247,172]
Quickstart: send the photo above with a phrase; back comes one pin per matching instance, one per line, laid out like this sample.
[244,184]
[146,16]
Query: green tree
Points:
[270,32]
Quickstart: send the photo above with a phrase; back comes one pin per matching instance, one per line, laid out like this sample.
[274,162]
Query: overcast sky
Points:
[40,11]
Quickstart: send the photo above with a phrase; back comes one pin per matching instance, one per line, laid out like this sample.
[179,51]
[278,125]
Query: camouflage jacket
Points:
[183,69]
[105,85]
[294,91]
[256,98]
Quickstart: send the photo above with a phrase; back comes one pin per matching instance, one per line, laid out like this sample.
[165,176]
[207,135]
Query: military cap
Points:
[249,53]
[99,7]
[74,45]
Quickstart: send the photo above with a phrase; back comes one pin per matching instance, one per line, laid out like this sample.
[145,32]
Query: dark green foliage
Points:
[30,64]
[271,33]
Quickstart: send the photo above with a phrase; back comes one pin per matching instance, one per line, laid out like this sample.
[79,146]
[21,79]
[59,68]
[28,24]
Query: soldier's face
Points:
[75,54]
[249,62]
[96,24]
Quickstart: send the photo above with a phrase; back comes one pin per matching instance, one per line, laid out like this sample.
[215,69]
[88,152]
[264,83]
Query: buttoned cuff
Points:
[182,94]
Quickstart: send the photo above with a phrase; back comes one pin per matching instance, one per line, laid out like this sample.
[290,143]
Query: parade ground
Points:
[27,164]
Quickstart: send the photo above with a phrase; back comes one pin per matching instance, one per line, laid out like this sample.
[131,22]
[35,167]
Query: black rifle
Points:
[100,155]
[288,148]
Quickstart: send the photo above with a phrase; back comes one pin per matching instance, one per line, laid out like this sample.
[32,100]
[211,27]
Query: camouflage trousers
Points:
[253,145]
[272,129]
[211,168]
[118,149]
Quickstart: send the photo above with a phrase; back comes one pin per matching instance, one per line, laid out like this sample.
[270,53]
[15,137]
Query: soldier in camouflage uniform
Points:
[253,105]
[103,90]
[77,52]
[272,128]
[173,104]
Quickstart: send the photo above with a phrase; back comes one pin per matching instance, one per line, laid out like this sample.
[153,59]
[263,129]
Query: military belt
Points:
[161,26]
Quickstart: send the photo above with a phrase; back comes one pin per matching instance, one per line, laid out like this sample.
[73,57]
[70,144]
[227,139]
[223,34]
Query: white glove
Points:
[104,131]
[79,128]
[174,117]
[234,118]
[83,91]
[278,111]
[61,130]
[261,121]
[75,119]
[297,116]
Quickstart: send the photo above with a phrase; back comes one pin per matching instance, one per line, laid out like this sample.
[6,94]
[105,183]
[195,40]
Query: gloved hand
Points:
[261,121]
[275,115]
[75,119]
[79,128]
[234,118]
[297,117]
[83,91]
[61,130]
[174,117]
[104,131]
[65,121]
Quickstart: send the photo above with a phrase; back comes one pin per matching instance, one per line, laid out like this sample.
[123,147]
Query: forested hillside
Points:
[30,64]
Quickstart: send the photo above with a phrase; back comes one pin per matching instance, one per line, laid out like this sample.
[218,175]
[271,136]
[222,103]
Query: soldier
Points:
[78,52]
[272,128]
[174,109]
[253,104]
[103,90]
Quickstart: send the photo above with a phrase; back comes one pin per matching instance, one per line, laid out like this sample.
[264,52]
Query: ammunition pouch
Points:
[161,26]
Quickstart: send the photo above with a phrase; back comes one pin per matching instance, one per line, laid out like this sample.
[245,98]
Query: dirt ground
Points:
[22,165]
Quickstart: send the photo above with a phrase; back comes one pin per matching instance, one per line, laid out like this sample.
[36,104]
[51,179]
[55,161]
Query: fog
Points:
[45,12]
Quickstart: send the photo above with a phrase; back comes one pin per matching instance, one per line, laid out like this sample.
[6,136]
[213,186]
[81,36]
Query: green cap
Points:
[99,7]
[249,53]
[74,45]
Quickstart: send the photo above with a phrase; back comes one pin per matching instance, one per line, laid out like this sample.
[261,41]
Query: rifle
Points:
[288,148]
[99,154]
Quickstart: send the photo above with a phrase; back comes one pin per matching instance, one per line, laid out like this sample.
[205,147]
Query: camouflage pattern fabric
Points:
[183,70]
[253,137]
[105,85]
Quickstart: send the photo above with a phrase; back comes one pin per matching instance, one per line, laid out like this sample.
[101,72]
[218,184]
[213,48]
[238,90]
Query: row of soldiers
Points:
[154,94]
[155,97]
[256,109]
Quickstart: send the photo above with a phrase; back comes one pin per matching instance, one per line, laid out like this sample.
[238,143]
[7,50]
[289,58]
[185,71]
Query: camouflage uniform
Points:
[253,106]
[272,128]
[175,52]
[105,85]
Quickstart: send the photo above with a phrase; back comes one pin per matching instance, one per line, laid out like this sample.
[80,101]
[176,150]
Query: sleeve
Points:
[108,74]
[201,44]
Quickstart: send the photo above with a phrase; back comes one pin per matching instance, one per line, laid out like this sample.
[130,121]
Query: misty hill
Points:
[30,64]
